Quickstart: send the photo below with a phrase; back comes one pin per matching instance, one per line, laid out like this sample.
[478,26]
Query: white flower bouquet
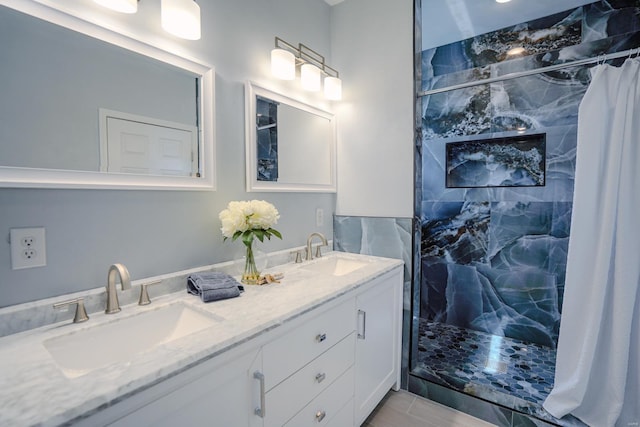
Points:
[249,220]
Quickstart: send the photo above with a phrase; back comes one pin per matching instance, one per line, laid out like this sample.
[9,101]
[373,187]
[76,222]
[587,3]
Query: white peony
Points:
[263,214]
[249,215]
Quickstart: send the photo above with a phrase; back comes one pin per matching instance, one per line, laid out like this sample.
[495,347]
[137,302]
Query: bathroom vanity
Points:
[321,348]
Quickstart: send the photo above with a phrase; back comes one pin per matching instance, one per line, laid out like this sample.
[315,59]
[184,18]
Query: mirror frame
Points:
[252,90]
[20,177]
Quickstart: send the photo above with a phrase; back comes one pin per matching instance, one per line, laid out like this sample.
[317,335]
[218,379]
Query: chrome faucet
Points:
[309,239]
[113,306]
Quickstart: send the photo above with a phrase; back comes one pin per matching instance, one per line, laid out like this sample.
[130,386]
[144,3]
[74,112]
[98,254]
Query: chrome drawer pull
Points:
[320,415]
[321,377]
[321,337]
[261,411]
[362,314]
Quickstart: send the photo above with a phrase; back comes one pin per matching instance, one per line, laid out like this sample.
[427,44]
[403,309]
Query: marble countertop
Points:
[35,391]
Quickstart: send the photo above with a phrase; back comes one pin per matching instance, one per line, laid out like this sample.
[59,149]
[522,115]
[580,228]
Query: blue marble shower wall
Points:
[493,259]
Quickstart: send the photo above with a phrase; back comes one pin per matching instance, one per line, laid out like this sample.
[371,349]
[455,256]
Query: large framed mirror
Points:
[290,145]
[87,107]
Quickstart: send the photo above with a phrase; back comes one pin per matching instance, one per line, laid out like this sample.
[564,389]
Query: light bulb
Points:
[283,64]
[181,18]
[124,6]
[333,88]
[310,77]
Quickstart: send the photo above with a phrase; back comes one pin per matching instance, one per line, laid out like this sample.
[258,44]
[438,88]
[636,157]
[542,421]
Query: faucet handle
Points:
[318,252]
[144,294]
[298,256]
[81,313]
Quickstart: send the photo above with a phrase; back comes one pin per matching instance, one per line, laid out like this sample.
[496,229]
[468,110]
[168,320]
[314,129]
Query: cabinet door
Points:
[223,396]
[378,344]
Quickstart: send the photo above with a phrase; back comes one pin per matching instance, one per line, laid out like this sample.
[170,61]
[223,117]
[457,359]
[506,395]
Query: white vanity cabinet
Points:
[378,344]
[334,369]
[306,361]
[328,366]
[219,392]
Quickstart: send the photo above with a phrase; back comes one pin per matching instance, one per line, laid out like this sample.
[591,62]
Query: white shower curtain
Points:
[597,377]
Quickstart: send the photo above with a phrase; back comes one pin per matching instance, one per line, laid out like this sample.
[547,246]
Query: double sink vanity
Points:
[320,348]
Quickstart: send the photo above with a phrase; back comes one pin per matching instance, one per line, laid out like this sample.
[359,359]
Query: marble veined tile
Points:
[386,237]
[457,232]
[541,100]
[608,18]
[458,112]
[548,33]
[496,267]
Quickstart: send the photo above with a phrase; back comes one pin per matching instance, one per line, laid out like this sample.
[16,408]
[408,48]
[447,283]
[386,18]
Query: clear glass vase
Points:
[250,274]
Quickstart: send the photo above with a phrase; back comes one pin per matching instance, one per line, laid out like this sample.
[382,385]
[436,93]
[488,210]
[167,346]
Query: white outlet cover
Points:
[37,254]
[319,217]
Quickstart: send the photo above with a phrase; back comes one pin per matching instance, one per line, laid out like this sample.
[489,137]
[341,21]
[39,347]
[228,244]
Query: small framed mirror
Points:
[290,145]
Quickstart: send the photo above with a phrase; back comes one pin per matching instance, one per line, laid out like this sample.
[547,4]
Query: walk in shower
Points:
[494,191]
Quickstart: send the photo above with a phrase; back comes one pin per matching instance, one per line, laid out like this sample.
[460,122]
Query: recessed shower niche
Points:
[516,161]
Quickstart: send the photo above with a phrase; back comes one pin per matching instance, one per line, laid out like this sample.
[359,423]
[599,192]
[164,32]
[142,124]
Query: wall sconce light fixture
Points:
[181,18]
[123,6]
[178,17]
[285,57]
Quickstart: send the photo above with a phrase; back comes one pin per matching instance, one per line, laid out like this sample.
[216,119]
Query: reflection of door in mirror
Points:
[267,134]
[54,81]
[143,145]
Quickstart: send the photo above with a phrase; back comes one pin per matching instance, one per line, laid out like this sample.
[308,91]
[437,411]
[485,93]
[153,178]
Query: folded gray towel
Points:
[213,286]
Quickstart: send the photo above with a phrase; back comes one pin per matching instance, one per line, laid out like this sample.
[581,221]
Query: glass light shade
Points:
[181,18]
[310,77]
[124,6]
[333,88]
[283,64]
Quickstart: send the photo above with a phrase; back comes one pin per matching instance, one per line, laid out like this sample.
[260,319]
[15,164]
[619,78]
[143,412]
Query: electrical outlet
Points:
[28,248]
[319,217]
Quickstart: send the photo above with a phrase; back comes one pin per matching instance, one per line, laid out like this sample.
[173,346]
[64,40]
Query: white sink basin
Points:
[335,266]
[80,352]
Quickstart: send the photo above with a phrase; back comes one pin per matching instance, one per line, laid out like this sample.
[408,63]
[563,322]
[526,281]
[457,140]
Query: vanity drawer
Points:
[329,408]
[290,352]
[344,417]
[286,399]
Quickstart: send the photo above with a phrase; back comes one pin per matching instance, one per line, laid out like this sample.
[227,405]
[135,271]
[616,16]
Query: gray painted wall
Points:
[156,232]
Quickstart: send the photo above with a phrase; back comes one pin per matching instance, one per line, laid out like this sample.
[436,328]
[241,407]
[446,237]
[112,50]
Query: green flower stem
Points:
[251,275]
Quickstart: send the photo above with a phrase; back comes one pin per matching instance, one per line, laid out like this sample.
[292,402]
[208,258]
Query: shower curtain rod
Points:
[515,75]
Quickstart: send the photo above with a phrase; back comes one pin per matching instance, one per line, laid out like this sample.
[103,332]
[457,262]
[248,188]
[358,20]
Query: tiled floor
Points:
[499,369]
[403,409]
